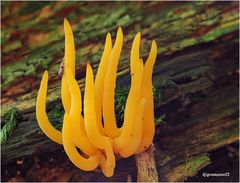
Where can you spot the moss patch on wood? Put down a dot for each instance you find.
(196, 163)
(186, 22)
(189, 168)
(8, 124)
(55, 116)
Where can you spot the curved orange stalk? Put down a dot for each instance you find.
(78, 160)
(69, 60)
(149, 125)
(99, 141)
(79, 135)
(135, 53)
(134, 97)
(41, 114)
(135, 137)
(99, 81)
(110, 126)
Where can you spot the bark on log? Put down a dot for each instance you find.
(146, 166)
(196, 72)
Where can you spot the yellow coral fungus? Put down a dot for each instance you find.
(69, 60)
(99, 141)
(79, 137)
(41, 115)
(99, 81)
(83, 163)
(110, 126)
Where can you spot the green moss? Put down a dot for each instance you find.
(121, 95)
(30, 23)
(96, 57)
(194, 73)
(187, 42)
(40, 58)
(196, 163)
(55, 115)
(219, 31)
(82, 36)
(8, 124)
(12, 46)
(124, 21)
(160, 120)
(156, 94)
(188, 13)
(104, 23)
(23, 68)
(226, 134)
(4, 36)
(31, 7)
(165, 160)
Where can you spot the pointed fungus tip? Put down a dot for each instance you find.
(44, 80)
(137, 38)
(45, 74)
(154, 43)
(138, 34)
(119, 34)
(89, 72)
(65, 20)
(108, 35)
(89, 67)
(119, 30)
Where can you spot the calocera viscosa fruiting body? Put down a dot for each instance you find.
(100, 143)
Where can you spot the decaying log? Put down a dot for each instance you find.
(195, 75)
